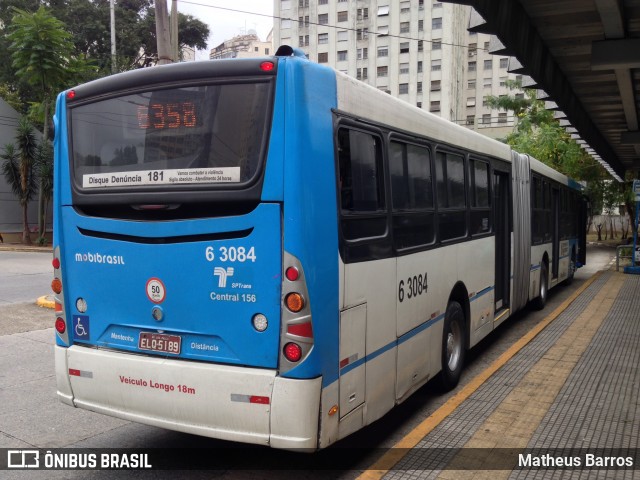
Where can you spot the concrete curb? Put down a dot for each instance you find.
(9, 247)
(46, 301)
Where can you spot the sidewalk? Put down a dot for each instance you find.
(19, 247)
(572, 391)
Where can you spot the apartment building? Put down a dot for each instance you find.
(243, 46)
(417, 50)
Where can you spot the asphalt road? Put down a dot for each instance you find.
(32, 417)
(24, 276)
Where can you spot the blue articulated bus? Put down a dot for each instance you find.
(269, 251)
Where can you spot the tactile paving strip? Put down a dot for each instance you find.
(599, 404)
(432, 453)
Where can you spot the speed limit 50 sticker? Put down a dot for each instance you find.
(156, 290)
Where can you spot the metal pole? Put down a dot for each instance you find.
(162, 32)
(174, 31)
(114, 67)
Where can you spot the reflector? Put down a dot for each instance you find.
(292, 274)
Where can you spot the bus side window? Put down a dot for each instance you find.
(412, 195)
(480, 197)
(450, 188)
(361, 183)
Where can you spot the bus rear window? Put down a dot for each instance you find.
(206, 135)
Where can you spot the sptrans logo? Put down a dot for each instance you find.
(99, 258)
(223, 274)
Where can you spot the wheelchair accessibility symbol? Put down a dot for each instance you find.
(81, 327)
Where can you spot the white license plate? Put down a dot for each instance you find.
(158, 342)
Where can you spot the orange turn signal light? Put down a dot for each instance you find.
(56, 285)
(294, 302)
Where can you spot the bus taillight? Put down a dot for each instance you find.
(58, 298)
(61, 326)
(292, 352)
(296, 337)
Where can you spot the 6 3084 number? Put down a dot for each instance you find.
(412, 287)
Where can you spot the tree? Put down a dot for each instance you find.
(44, 169)
(18, 169)
(87, 21)
(540, 135)
(42, 54)
(136, 47)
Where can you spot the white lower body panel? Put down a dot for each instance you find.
(227, 402)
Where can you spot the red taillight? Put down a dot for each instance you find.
(56, 285)
(267, 66)
(61, 327)
(71, 94)
(292, 274)
(292, 352)
(301, 329)
(56, 263)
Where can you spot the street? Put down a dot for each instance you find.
(32, 417)
(24, 276)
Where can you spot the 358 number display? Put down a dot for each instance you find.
(412, 287)
(167, 115)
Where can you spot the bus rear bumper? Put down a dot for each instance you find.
(220, 401)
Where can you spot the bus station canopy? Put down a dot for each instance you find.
(584, 59)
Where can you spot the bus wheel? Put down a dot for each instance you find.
(452, 346)
(541, 300)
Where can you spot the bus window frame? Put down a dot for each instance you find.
(396, 137)
(249, 191)
(366, 247)
(441, 210)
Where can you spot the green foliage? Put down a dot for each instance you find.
(41, 48)
(538, 134)
(87, 25)
(19, 169)
(11, 96)
(44, 168)
(47, 46)
(42, 57)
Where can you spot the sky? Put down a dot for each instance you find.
(227, 19)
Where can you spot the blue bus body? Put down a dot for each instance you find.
(162, 283)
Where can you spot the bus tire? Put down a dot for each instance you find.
(453, 346)
(540, 301)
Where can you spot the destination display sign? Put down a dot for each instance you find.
(161, 177)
